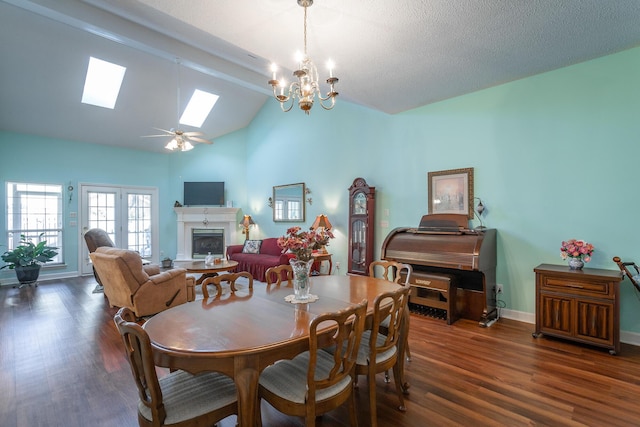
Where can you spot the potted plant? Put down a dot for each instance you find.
(26, 258)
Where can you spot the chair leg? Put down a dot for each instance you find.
(408, 352)
(372, 396)
(396, 379)
(353, 413)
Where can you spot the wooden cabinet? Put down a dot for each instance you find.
(580, 305)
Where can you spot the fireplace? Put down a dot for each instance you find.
(213, 228)
(207, 241)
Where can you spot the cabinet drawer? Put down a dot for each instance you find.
(582, 287)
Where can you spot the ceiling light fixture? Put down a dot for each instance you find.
(181, 140)
(307, 85)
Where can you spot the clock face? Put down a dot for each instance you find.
(360, 204)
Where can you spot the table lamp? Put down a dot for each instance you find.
(245, 224)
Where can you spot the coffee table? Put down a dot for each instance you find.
(207, 270)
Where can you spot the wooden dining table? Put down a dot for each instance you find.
(241, 333)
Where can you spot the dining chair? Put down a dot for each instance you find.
(379, 351)
(392, 271)
(317, 381)
(229, 278)
(276, 275)
(179, 398)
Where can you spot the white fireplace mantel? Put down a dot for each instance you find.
(202, 218)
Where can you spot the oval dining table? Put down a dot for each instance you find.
(241, 333)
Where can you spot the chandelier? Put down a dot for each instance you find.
(306, 86)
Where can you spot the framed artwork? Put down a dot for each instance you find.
(451, 192)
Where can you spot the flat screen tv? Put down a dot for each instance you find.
(204, 194)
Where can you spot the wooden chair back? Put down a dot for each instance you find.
(391, 271)
(345, 340)
(187, 400)
(389, 307)
(379, 351)
(229, 278)
(329, 376)
(138, 349)
(276, 275)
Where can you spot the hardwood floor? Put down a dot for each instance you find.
(62, 364)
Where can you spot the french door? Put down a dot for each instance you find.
(128, 214)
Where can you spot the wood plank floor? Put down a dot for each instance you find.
(62, 364)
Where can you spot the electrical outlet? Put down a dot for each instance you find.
(499, 288)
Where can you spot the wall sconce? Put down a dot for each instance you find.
(480, 208)
(322, 224)
(245, 224)
(308, 191)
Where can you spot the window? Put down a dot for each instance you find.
(34, 209)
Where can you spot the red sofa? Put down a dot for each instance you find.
(257, 264)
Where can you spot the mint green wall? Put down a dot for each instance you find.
(31, 158)
(554, 158)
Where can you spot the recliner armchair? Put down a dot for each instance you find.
(145, 291)
(95, 238)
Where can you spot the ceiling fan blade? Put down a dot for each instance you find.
(193, 133)
(200, 140)
(169, 132)
(154, 136)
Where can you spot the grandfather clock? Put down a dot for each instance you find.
(362, 205)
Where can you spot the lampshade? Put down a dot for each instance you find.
(247, 221)
(321, 221)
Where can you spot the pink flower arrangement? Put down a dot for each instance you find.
(576, 249)
(302, 243)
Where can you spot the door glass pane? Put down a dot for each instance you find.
(139, 223)
(101, 212)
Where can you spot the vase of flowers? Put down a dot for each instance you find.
(301, 244)
(301, 273)
(577, 251)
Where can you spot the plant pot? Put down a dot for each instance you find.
(28, 275)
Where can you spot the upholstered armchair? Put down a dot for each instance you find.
(145, 291)
(95, 238)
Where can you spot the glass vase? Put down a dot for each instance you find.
(301, 273)
(576, 263)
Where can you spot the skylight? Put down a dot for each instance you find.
(198, 108)
(102, 84)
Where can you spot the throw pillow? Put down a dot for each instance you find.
(251, 246)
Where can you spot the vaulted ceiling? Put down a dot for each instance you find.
(390, 56)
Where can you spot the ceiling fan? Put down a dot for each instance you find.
(180, 140)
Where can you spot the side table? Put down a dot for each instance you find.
(317, 261)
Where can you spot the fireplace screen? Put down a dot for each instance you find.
(207, 241)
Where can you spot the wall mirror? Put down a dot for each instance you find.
(288, 203)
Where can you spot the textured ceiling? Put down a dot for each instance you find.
(390, 55)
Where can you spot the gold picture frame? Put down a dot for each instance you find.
(451, 192)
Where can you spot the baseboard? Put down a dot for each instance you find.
(49, 276)
(626, 337)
